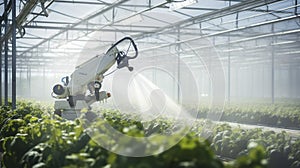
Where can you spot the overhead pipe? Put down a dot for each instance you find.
(7, 8)
(243, 6)
(238, 29)
(21, 18)
(116, 3)
(258, 15)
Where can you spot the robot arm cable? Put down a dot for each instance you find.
(110, 73)
(131, 42)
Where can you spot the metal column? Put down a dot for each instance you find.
(178, 65)
(296, 7)
(44, 83)
(19, 84)
(272, 69)
(0, 70)
(228, 71)
(237, 69)
(6, 55)
(272, 76)
(29, 81)
(14, 54)
(291, 82)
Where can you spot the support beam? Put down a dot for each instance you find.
(296, 7)
(14, 52)
(41, 13)
(84, 29)
(64, 24)
(5, 55)
(44, 83)
(272, 77)
(0, 70)
(291, 82)
(105, 9)
(260, 36)
(20, 19)
(243, 6)
(29, 81)
(272, 68)
(228, 71)
(178, 65)
(19, 83)
(149, 5)
(7, 8)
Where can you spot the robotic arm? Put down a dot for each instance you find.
(84, 84)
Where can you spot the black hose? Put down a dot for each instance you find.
(123, 39)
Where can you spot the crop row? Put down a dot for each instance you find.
(32, 137)
(274, 115)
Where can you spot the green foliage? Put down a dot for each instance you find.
(256, 158)
(32, 137)
(276, 115)
(280, 149)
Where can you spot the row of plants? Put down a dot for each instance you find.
(274, 115)
(231, 142)
(228, 142)
(31, 136)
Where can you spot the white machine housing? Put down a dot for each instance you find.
(84, 87)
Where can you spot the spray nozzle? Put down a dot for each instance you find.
(130, 68)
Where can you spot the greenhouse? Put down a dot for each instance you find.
(150, 83)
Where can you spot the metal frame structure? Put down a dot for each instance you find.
(249, 28)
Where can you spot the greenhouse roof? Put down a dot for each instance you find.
(54, 34)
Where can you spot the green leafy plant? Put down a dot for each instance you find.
(32, 137)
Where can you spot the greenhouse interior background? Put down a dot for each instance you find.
(215, 53)
(257, 42)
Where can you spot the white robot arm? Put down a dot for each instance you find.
(89, 76)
